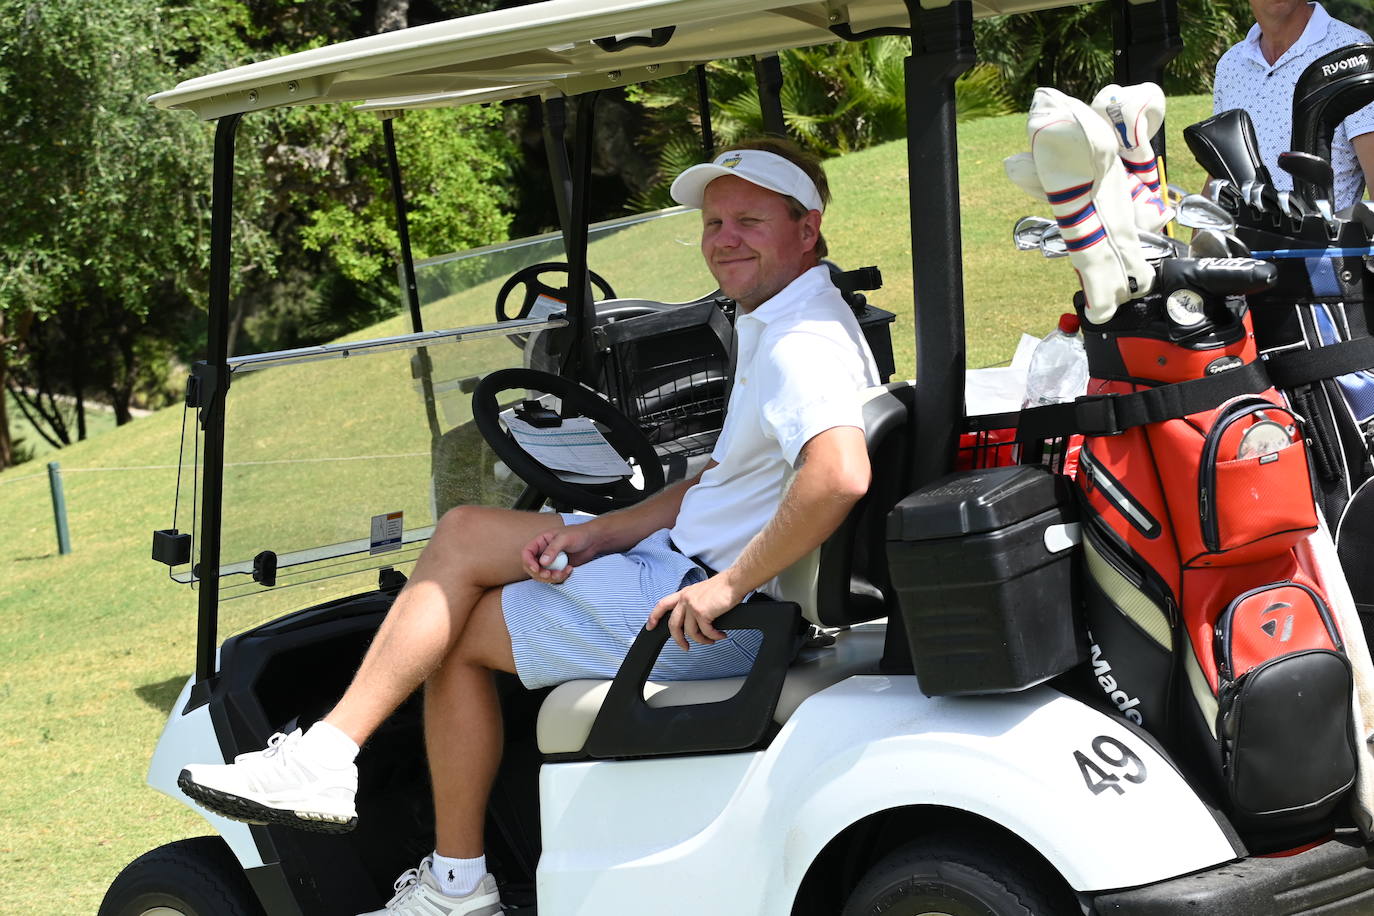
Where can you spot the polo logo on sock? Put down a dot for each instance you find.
(450, 875)
(1332, 69)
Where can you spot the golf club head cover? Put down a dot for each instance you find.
(1135, 113)
(1151, 213)
(1075, 154)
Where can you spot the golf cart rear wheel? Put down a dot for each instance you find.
(195, 877)
(933, 878)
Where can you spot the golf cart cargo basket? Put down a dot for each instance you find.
(669, 373)
(989, 441)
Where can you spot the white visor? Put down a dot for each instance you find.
(767, 170)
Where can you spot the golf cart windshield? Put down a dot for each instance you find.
(339, 459)
(454, 286)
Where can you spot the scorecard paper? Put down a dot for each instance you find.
(576, 446)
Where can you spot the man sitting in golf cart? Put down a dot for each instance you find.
(554, 600)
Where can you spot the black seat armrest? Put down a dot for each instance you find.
(627, 726)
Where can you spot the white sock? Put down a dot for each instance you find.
(329, 745)
(458, 877)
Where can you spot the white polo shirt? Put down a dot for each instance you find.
(801, 365)
(1246, 80)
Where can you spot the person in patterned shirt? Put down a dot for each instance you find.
(1259, 73)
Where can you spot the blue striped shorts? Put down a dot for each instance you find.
(584, 627)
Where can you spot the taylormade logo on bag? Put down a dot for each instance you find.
(1102, 670)
(1338, 66)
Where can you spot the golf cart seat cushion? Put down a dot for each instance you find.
(566, 715)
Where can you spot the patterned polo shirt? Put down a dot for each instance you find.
(1244, 79)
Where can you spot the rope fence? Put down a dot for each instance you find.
(227, 464)
(59, 504)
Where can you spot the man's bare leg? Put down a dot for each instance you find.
(463, 729)
(473, 549)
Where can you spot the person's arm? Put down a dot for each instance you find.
(832, 475)
(1364, 151)
(609, 533)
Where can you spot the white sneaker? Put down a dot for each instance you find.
(283, 784)
(418, 894)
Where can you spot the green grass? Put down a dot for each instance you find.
(95, 645)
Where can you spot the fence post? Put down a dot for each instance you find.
(59, 508)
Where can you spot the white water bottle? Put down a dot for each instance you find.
(1059, 366)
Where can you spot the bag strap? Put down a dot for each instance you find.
(1293, 368)
(1111, 414)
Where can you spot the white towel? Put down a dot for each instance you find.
(1317, 555)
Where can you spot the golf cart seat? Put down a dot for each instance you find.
(842, 584)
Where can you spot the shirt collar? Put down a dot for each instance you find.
(783, 300)
(1313, 32)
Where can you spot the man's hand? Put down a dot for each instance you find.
(690, 611)
(579, 542)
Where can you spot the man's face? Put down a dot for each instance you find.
(751, 243)
(1278, 10)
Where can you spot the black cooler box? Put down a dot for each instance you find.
(985, 567)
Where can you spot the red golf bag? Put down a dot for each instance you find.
(1195, 489)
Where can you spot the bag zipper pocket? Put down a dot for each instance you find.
(1222, 642)
(1208, 512)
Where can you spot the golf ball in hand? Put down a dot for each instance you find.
(558, 562)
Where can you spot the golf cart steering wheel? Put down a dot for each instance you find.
(620, 431)
(535, 286)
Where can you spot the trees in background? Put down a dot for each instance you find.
(104, 250)
(104, 208)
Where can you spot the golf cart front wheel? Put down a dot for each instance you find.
(195, 877)
(932, 878)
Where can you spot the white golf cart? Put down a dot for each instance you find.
(955, 770)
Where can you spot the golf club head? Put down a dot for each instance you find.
(1230, 199)
(1027, 232)
(1175, 194)
(1235, 247)
(1309, 171)
(1269, 199)
(1209, 243)
(1052, 244)
(1155, 246)
(1254, 195)
(1197, 212)
(1291, 203)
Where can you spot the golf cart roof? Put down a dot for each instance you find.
(558, 46)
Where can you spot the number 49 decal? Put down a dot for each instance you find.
(1116, 756)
